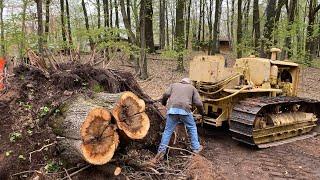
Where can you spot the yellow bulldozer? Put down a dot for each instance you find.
(257, 98)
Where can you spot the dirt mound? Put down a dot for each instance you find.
(33, 96)
(199, 167)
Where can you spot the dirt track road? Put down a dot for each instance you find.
(233, 160)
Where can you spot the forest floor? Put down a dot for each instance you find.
(233, 160)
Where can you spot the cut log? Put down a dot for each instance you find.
(128, 111)
(87, 130)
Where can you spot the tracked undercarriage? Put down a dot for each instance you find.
(257, 97)
(266, 121)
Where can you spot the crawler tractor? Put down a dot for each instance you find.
(257, 98)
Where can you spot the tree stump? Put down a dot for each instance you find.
(128, 111)
(87, 131)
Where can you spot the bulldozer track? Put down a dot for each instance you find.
(245, 112)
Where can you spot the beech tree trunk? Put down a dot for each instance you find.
(87, 131)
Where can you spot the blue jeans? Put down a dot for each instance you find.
(172, 121)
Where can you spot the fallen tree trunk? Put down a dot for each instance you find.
(87, 131)
(128, 111)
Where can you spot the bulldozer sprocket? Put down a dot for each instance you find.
(245, 113)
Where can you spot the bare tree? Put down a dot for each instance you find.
(215, 41)
(162, 24)
(40, 27)
(63, 25)
(86, 19)
(239, 30)
(106, 13)
(188, 24)
(2, 48)
(268, 27)
(143, 58)
(291, 16)
(46, 25)
(69, 24)
(200, 23)
(149, 25)
(256, 25)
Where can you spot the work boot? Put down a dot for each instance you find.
(198, 150)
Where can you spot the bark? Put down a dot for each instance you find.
(231, 24)
(63, 25)
(143, 39)
(69, 24)
(98, 13)
(215, 40)
(46, 25)
(239, 30)
(266, 42)
(86, 19)
(128, 111)
(246, 17)
(117, 13)
(162, 24)
(200, 24)
(188, 24)
(149, 26)
(129, 11)
(256, 25)
(106, 13)
(210, 9)
(2, 45)
(40, 27)
(111, 13)
(180, 39)
(203, 23)
(167, 25)
(87, 131)
(291, 17)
